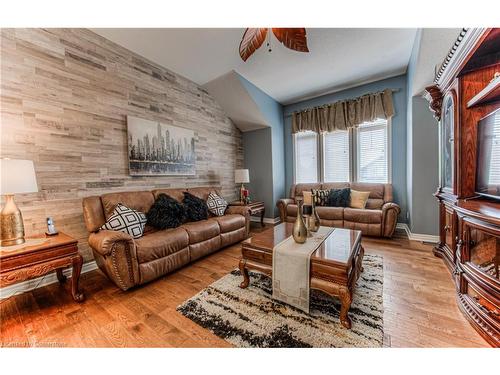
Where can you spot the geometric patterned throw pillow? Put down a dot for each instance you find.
(126, 220)
(216, 204)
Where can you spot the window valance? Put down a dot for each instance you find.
(344, 114)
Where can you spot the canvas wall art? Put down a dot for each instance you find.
(158, 149)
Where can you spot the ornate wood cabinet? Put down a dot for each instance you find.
(465, 91)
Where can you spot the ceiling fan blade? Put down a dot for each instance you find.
(293, 38)
(251, 41)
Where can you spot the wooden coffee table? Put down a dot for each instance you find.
(335, 265)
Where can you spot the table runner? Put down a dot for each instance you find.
(291, 268)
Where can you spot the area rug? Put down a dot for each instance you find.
(251, 318)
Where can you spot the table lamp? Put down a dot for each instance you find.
(241, 176)
(16, 177)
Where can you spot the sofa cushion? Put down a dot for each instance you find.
(339, 197)
(216, 204)
(228, 223)
(299, 188)
(202, 192)
(196, 208)
(166, 212)
(137, 200)
(334, 185)
(363, 215)
(320, 197)
(126, 220)
(161, 244)
(330, 213)
(359, 199)
(177, 194)
(201, 230)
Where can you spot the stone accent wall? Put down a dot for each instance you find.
(65, 95)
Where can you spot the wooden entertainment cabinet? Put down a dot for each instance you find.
(465, 90)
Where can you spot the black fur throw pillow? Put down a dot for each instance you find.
(339, 197)
(196, 208)
(166, 212)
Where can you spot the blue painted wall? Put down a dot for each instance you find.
(398, 131)
(264, 151)
(422, 159)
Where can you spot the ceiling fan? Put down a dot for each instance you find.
(293, 38)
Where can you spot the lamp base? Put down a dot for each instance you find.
(11, 223)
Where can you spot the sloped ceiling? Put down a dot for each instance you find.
(237, 102)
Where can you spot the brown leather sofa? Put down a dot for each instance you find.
(379, 218)
(129, 262)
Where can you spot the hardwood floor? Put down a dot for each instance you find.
(419, 306)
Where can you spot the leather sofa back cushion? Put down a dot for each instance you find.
(137, 200)
(177, 194)
(203, 192)
(299, 188)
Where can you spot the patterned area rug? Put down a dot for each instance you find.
(250, 318)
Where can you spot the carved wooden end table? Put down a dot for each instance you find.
(39, 256)
(335, 265)
(256, 208)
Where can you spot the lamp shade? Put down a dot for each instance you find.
(17, 176)
(241, 176)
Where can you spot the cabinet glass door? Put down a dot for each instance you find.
(484, 250)
(447, 144)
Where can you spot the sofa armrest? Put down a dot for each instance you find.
(390, 212)
(116, 255)
(282, 204)
(242, 210)
(104, 240)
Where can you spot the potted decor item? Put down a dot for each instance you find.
(299, 232)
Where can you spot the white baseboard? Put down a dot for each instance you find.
(51, 278)
(267, 220)
(417, 236)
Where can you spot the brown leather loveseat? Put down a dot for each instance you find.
(378, 218)
(129, 262)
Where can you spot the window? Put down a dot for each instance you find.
(362, 154)
(373, 150)
(306, 157)
(336, 156)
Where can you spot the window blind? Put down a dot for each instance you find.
(306, 157)
(372, 151)
(336, 156)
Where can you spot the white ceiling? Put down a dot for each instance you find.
(338, 58)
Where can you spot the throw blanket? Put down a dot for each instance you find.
(291, 268)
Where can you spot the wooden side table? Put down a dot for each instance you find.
(256, 208)
(39, 256)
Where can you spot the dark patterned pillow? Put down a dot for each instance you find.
(196, 208)
(166, 212)
(216, 204)
(339, 197)
(320, 196)
(126, 220)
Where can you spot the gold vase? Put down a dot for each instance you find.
(299, 232)
(314, 220)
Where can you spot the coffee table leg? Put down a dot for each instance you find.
(78, 296)
(345, 299)
(244, 273)
(262, 217)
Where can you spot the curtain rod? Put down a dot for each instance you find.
(329, 104)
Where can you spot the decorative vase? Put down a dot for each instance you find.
(299, 232)
(315, 223)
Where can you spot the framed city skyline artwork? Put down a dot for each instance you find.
(157, 149)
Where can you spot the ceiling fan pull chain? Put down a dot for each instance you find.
(269, 49)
